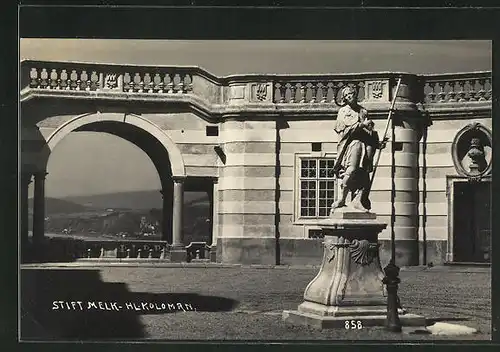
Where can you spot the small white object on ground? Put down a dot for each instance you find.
(450, 329)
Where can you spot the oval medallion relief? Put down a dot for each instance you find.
(472, 149)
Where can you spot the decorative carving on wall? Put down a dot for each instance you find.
(111, 81)
(377, 90)
(472, 151)
(363, 252)
(261, 91)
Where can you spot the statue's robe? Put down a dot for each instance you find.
(351, 149)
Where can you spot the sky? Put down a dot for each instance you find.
(109, 173)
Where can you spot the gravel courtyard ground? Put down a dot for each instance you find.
(232, 303)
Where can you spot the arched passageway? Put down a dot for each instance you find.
(162, 151)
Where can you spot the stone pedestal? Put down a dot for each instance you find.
(178, 254)
(348, 286)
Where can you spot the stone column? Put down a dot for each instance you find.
(407, 122)
(39, 208)
(166, 195)
(214, 199)
(406, 198)
(178, 252)
(25, 181)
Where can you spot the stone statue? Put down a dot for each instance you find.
(356, 148)
(475, 160)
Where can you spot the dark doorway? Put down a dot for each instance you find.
(472, 222)
(198, 210)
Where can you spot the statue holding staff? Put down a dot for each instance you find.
(356, 147)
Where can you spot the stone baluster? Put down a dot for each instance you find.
(179, 85)
(84, 80)
(314, 92)
(293, 92)
(324, 91)
(89, 253)
(157, 83)
(431, 96)
(139, 253)
(303, 92)
(169, 83)
(94, 81)
(461, 92)
(138, 85)
(452, 93)
(53, 79)
(472, 89)
(73, 84)
(63, 81)
(127, 86)
(34, 82)
(482, 92)
(188, 83)
(148, 87)
(281, 89)
(442, 93)
(43, 78)
(101, 255)
(128, 253)
(150, 256)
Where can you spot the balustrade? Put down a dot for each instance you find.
(300, 92)
(457, 88)
(95, 78)
(123, 250)
(297, 89)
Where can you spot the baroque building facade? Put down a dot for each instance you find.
(263, 146)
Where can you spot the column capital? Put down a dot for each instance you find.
(178, 179)
(26, 178)
(40, 175)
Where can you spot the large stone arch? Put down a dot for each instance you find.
(174, 154)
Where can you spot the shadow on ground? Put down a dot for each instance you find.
(77, 304)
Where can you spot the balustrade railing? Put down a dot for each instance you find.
(286, 89)
(122, 249)
(453, 88)
(65, 248)
(315, 91)
(122, 79)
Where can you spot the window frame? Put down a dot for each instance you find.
(308, 220)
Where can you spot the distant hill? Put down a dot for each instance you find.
(60, 206)
(141, 200)
(131, 200)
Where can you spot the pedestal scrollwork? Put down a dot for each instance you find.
(363, 252)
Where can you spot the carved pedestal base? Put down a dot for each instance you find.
(348, 286)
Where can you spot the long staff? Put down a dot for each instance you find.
(385, 132)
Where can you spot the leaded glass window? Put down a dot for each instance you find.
(317, 186)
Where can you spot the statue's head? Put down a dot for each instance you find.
(348, 95)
